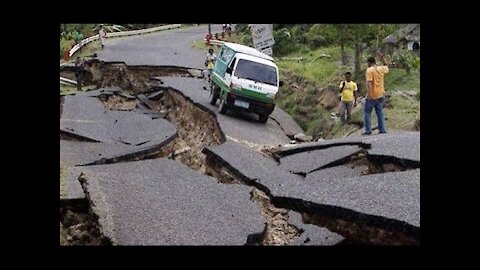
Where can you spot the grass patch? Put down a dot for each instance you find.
(321, 66)
(201, 44)
(63, 176)
(67, 89)
(403, 113)
(71, 89)
(398, 80)
(63, 236)
(341, 130)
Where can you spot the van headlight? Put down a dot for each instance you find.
(271, 95)
(235, 86)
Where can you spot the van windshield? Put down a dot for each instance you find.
(256, 72)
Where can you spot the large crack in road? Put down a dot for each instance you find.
(198, 128)
(79, 221)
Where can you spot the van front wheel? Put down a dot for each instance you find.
(263, 118)
(223, 107)
(214, 94)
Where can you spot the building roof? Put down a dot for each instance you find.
(248, 50)
(404, 33)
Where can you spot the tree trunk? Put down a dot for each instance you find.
(342, 45)
(358, 52)
(344, 58)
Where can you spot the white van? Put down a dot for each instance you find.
(245, 79)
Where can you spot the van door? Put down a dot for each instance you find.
(229, 71)
(223, 60)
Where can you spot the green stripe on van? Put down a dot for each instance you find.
(243, 92)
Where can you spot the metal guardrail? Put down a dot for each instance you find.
(120, 34)
(215, 42)
(67, 81)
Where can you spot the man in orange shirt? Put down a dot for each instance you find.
(375, 90)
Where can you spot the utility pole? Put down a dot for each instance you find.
(209, 35)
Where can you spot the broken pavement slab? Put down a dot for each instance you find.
(389, 199)
(286, 122)
(156, 95)
(303, 138)
(73, 188)
(125, 95)
(76, 153)
(145, 101)
(402, 145)
(109, 90)
(162, 202)
(151, 113)
(252, 167)
(341, 171)
(312, 235)
(87, 153)
(307, 162)
(82, 107)
(134, 128)
(291, 149)
(99, 124)
(98, 93)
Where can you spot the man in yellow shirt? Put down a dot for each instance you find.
(210, 62)
(348, 90)
(375, 90)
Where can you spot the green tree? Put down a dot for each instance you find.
(406, 59)
(343, 36)
(362, 36)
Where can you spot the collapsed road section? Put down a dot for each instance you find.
(351, 190)
(78, 222)
(364, 207)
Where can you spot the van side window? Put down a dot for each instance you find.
(227, 55)
(230, 67)
(221, 53)
(232, 63)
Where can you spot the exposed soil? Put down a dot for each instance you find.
(114, 102)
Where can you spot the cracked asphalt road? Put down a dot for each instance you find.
(239, 125)
(394, 195)
(174, 48)
(163, 202)
(117, 132)
(164, 48)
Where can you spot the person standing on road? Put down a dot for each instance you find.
(79, 72)
(348, 92)
(375, 89)
(101, 35)
(210, 62)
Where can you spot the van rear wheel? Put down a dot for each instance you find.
(263, 118)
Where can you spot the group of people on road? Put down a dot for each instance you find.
(227, 28)
(374, 77)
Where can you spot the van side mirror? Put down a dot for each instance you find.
(229, 70)
(280, 84)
